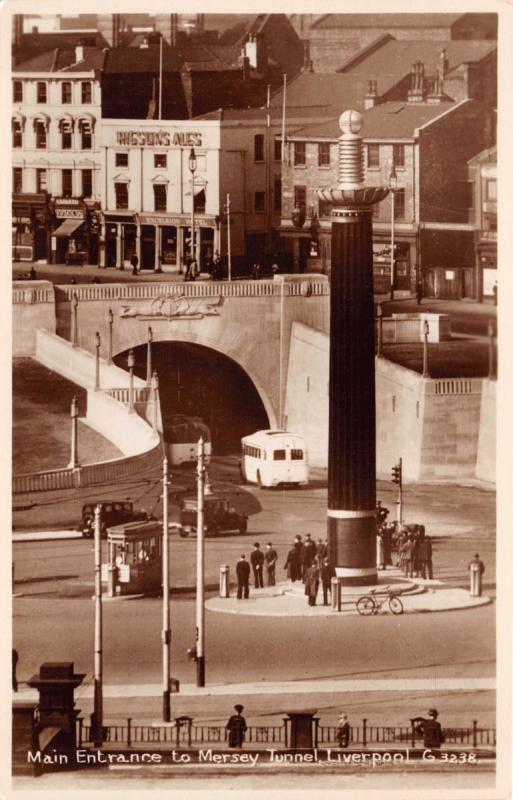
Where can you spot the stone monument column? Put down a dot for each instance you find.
(352, 406)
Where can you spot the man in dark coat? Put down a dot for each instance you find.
(430, 729)
(14, 666)
(343, 731)
(408, 556)
(271, 557)
(257, 562)
(327, 573)
(425, 557)
(242, 569)
(309, 553)
(381, 513)
(134, 261)
(322, 550)
(293, 563)
(312, 577)
(236, 727)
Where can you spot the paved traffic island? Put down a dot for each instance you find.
(417, 595)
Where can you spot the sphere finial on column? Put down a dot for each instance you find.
(351, 172)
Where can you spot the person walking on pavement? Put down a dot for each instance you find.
(425, 558)
(271, 557)
(430, 729)
(14, 666)
(419, 292)
(293, 563)
(343, 731)
(381, 513)
(322, 550)
(134, 261)
(327, 573)
(242, 570)
(309, 553)
(407, 556)
(236, 727)
(312, 577)
(257, 562)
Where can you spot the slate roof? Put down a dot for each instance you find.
(133, 60)
(63, 60)
(397, 120)
(386, 21)
(311, 89)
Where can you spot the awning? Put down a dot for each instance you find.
(68, 227)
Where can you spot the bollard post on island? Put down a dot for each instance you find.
(224, 580)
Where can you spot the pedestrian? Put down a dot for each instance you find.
(15, 658)
(271, 557)
(236, 727)
(309, 553)
(477, 560)
(321, 550)
(494, 290)
(275, 268)
(257, 270)
(380, 551)
(187, 273)
(381, 513)
(419, 292)
(293, 563)
(343, 731)
(257, 562)
(242, 569)
(425, 557)
(195, 270)
(430, 729)
(386, 534)
(407, 557)
(216, 267)
(327, 573)
(32, 273)
(312, 578)
(134, 261)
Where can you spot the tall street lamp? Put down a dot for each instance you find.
(73, 463)
(98, 342)
(425, 368)
(166, 615)
(74, 334)
(131, 365)
(393, 189)
(192, 167)
(379, 314)
(200, 571)
(148, 356)
(110, 317)
(98, 633)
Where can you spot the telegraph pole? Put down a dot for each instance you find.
(166, 615)
(200, 571)
(98, 632)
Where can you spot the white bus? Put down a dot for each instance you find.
(273, 457)
(181, 435)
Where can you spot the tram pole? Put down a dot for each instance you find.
(166, 619)
(98, 633)
(200, 571)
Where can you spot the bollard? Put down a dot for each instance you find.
(476, 580)
(224, 581)
(336, 594)
(380, 552)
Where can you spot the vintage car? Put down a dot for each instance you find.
(112, 512)
(219, 516)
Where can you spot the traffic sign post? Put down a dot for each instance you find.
(397, 478)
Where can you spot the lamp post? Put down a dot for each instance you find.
(73, 462)
(98, 634)
(200, 571)
(74, 334)
(98, 342)
(166, 616)
(192, 168)
(110, 317)
(393, 187)
(155, 390)
(379, 313)
(425, 369)
(131, 365)
(148, 356)
(491, 350)
(228, 237)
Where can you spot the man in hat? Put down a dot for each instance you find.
(257, 562)
(343, 731)
(242, 569)
(271, 557)
(236, 727)
(430, 729)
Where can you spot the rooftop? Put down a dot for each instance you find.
(386, 20)
(63, 59)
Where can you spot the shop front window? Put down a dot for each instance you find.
(168, 245)
(324, 209)
(121, 190)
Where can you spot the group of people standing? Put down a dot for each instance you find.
(309, 562)
(258, 561)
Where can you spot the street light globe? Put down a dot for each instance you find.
(350, 121)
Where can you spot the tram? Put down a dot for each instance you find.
(182, 433)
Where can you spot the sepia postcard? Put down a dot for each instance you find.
(256, 360)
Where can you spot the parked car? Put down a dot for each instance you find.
(112, 512)
(219, 516)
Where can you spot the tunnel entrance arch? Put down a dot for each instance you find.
(199, 381)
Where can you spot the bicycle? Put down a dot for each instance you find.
(370, 603)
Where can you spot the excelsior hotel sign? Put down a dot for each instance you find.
(159, 138)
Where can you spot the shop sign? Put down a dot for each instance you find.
(24, 220)
(70, 213)
(159, 138)
(177, 221)
(67, 201)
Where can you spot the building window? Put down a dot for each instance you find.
(66, 134)
(259, 201)
(17, 134)
(41, 92)
(160, 196)
(86, 135)
(491, 190)
(121, 190)
(277, 192)
(400, 208)
(67, 183)
(121, 159)
(159, 160)
(17, 92)
(398, 155)
(200, 201)
(40, 180)
(490, 223)
(299, 154)
(87, 183)
(66, 92)
(300, 197)
(40, 135)
(324, 154)
(17, 180)
(324, 208)
(87, 93)
(259, 147)
(372, 155)
(277, 149)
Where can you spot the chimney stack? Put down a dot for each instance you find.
(79, 53)
(369, 101)
(416, 92)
